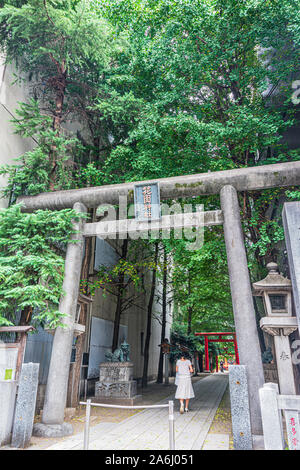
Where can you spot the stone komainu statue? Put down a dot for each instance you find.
(267, 356)
(119, 355)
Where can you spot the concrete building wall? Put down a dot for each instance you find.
(11, 145)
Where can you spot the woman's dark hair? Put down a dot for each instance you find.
(185, 354)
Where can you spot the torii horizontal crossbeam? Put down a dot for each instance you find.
(111, 228)
(219, 333)
(221, 340)
(242, 179)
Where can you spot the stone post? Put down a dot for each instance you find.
(8, 390)
(271, 417)
(242, 302)
(240, 415)
(291, 224)
(56, 391)
(25, 407)
(166, 357)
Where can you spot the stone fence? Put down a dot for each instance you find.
(272, 407)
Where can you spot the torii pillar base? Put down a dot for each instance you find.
(52, 430)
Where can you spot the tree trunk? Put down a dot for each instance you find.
(160, 373)
(25, 320)
(60, 82)
(190, 309)
(26, 315)
(200, 362)
(149, 321)
(119, 300)
(190, 314)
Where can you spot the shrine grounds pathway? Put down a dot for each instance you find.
(207, 425)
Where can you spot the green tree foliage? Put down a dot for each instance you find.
(31, 263)
(215, 76)
(197, 67)
(160, 88)
(65, 51)
(201, 285)
(180, 340)
(66, 54)
(31, 174)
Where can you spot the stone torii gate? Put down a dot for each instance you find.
(225, 183)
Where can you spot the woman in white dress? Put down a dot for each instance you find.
(183, 381)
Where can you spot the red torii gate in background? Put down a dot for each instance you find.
(218, 340)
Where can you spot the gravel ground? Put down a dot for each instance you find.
(222, 420)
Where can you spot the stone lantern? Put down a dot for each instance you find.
(276, 291)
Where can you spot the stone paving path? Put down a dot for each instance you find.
(149, 429)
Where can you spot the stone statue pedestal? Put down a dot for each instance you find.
(116, 383)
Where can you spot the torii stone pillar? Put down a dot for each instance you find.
(56, 391)
(242, 302)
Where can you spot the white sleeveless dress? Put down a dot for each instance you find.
(183, 380)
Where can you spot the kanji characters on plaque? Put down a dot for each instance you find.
(147, 196)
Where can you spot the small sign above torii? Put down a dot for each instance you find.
(147, 202)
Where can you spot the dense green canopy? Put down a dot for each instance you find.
(129, 90)
(31, 265)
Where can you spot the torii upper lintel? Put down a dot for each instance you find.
(242, 179)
